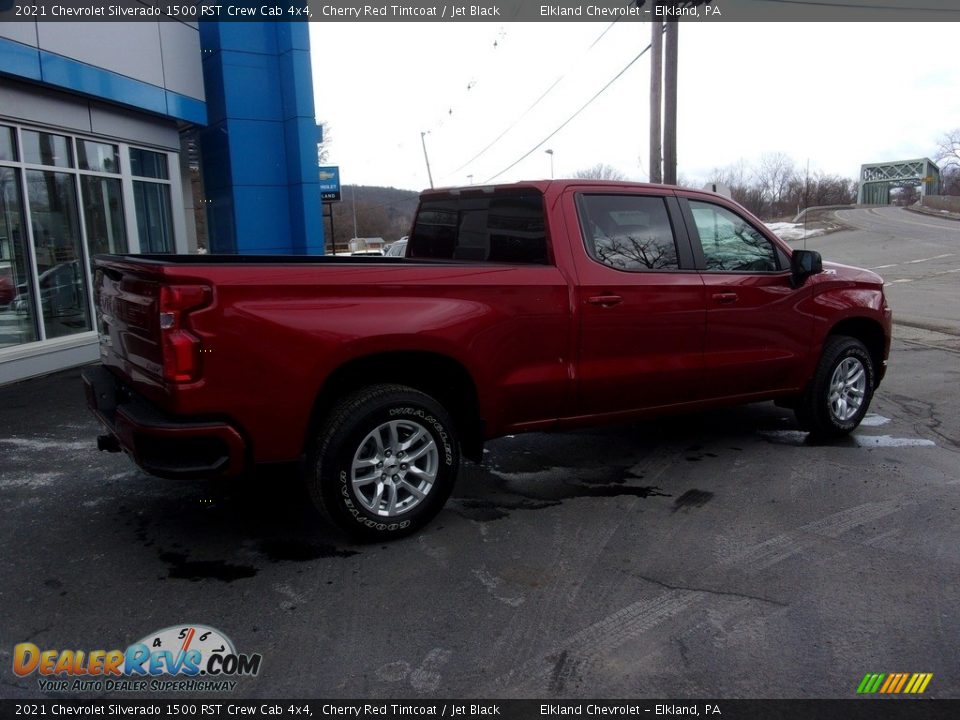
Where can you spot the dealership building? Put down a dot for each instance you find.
(143, 137)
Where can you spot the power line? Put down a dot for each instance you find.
(535, 103)
(569, 119)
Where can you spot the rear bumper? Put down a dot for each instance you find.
(159, 443)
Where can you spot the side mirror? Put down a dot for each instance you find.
(803, 264)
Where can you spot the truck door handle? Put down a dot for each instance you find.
(725, 298)
(605, 300)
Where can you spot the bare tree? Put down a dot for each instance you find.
(950, 180)
(600, 171)
(948, 151)
(773, 176)
(323, 147)
(736, 176)
(631, 251)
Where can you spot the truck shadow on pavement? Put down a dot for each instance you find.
(193, 527)
(230, 530)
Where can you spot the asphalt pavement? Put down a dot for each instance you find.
(710, 555)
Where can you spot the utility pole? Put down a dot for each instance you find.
(423, 141)
(656, 74)
(670, 104)
(663, 64)
(353, 198)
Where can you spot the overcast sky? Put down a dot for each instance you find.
(837, 95)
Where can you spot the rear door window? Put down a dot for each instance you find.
(629, 232)
(507, 227)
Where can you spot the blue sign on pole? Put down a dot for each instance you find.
(330, 184)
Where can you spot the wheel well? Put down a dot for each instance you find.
(867, 331)
(440, 377)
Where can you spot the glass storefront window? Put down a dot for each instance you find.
(103, 214)
(59, 255)
(144, 163)
(154, 219)
(40, 148)
(17, 306)
(99, 157)
(8, 147)
(63, 200)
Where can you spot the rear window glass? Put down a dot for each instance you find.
(501, 228)
(628, 232)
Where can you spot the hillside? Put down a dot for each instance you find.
(380, 212)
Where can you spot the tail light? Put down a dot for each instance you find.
(181, 348)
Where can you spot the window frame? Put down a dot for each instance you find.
(461, 198)
(123, 173)
(780, 255)
(681, 239)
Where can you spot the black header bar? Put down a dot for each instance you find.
(500, 11)
(222, 708)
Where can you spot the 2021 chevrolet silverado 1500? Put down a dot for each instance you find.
(534, 306)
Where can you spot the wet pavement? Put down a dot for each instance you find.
(719, 554)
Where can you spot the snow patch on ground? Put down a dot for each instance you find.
(28, 444)
(888, 441)
(536, 476)
(872, 420)
(794, 231)
(799, 438)
(34, 481)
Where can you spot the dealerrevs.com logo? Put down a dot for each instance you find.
(186, 658)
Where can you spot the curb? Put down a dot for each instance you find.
(933, 213)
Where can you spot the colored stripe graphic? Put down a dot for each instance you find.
(903, 680)
(894, 683)
(870, 683)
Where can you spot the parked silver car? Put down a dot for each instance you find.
(397, 249)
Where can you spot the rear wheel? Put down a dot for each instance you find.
(839, 395)
(384, 462)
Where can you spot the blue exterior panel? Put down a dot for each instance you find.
(186, 108)
(212, 69)
(260, 150)
(69, 74)
(297, 89)
(293, 36)
(304, 200)
(246, 37)
(19, 59)
(301, 156)
(262, 217)
(257, 152)
(220, 219)
(90, 80)
(251, 85)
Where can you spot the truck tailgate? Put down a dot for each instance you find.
(129, 323)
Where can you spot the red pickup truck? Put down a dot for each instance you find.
(533, 306)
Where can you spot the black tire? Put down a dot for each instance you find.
(348, 432)
(824, 414)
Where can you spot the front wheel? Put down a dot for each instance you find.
(839, 395)
(384, 462)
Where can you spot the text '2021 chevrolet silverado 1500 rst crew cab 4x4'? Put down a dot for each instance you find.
(534, 306)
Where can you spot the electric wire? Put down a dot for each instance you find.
(569, 119)
(532, 106)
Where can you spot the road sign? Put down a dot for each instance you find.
(330, 183)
